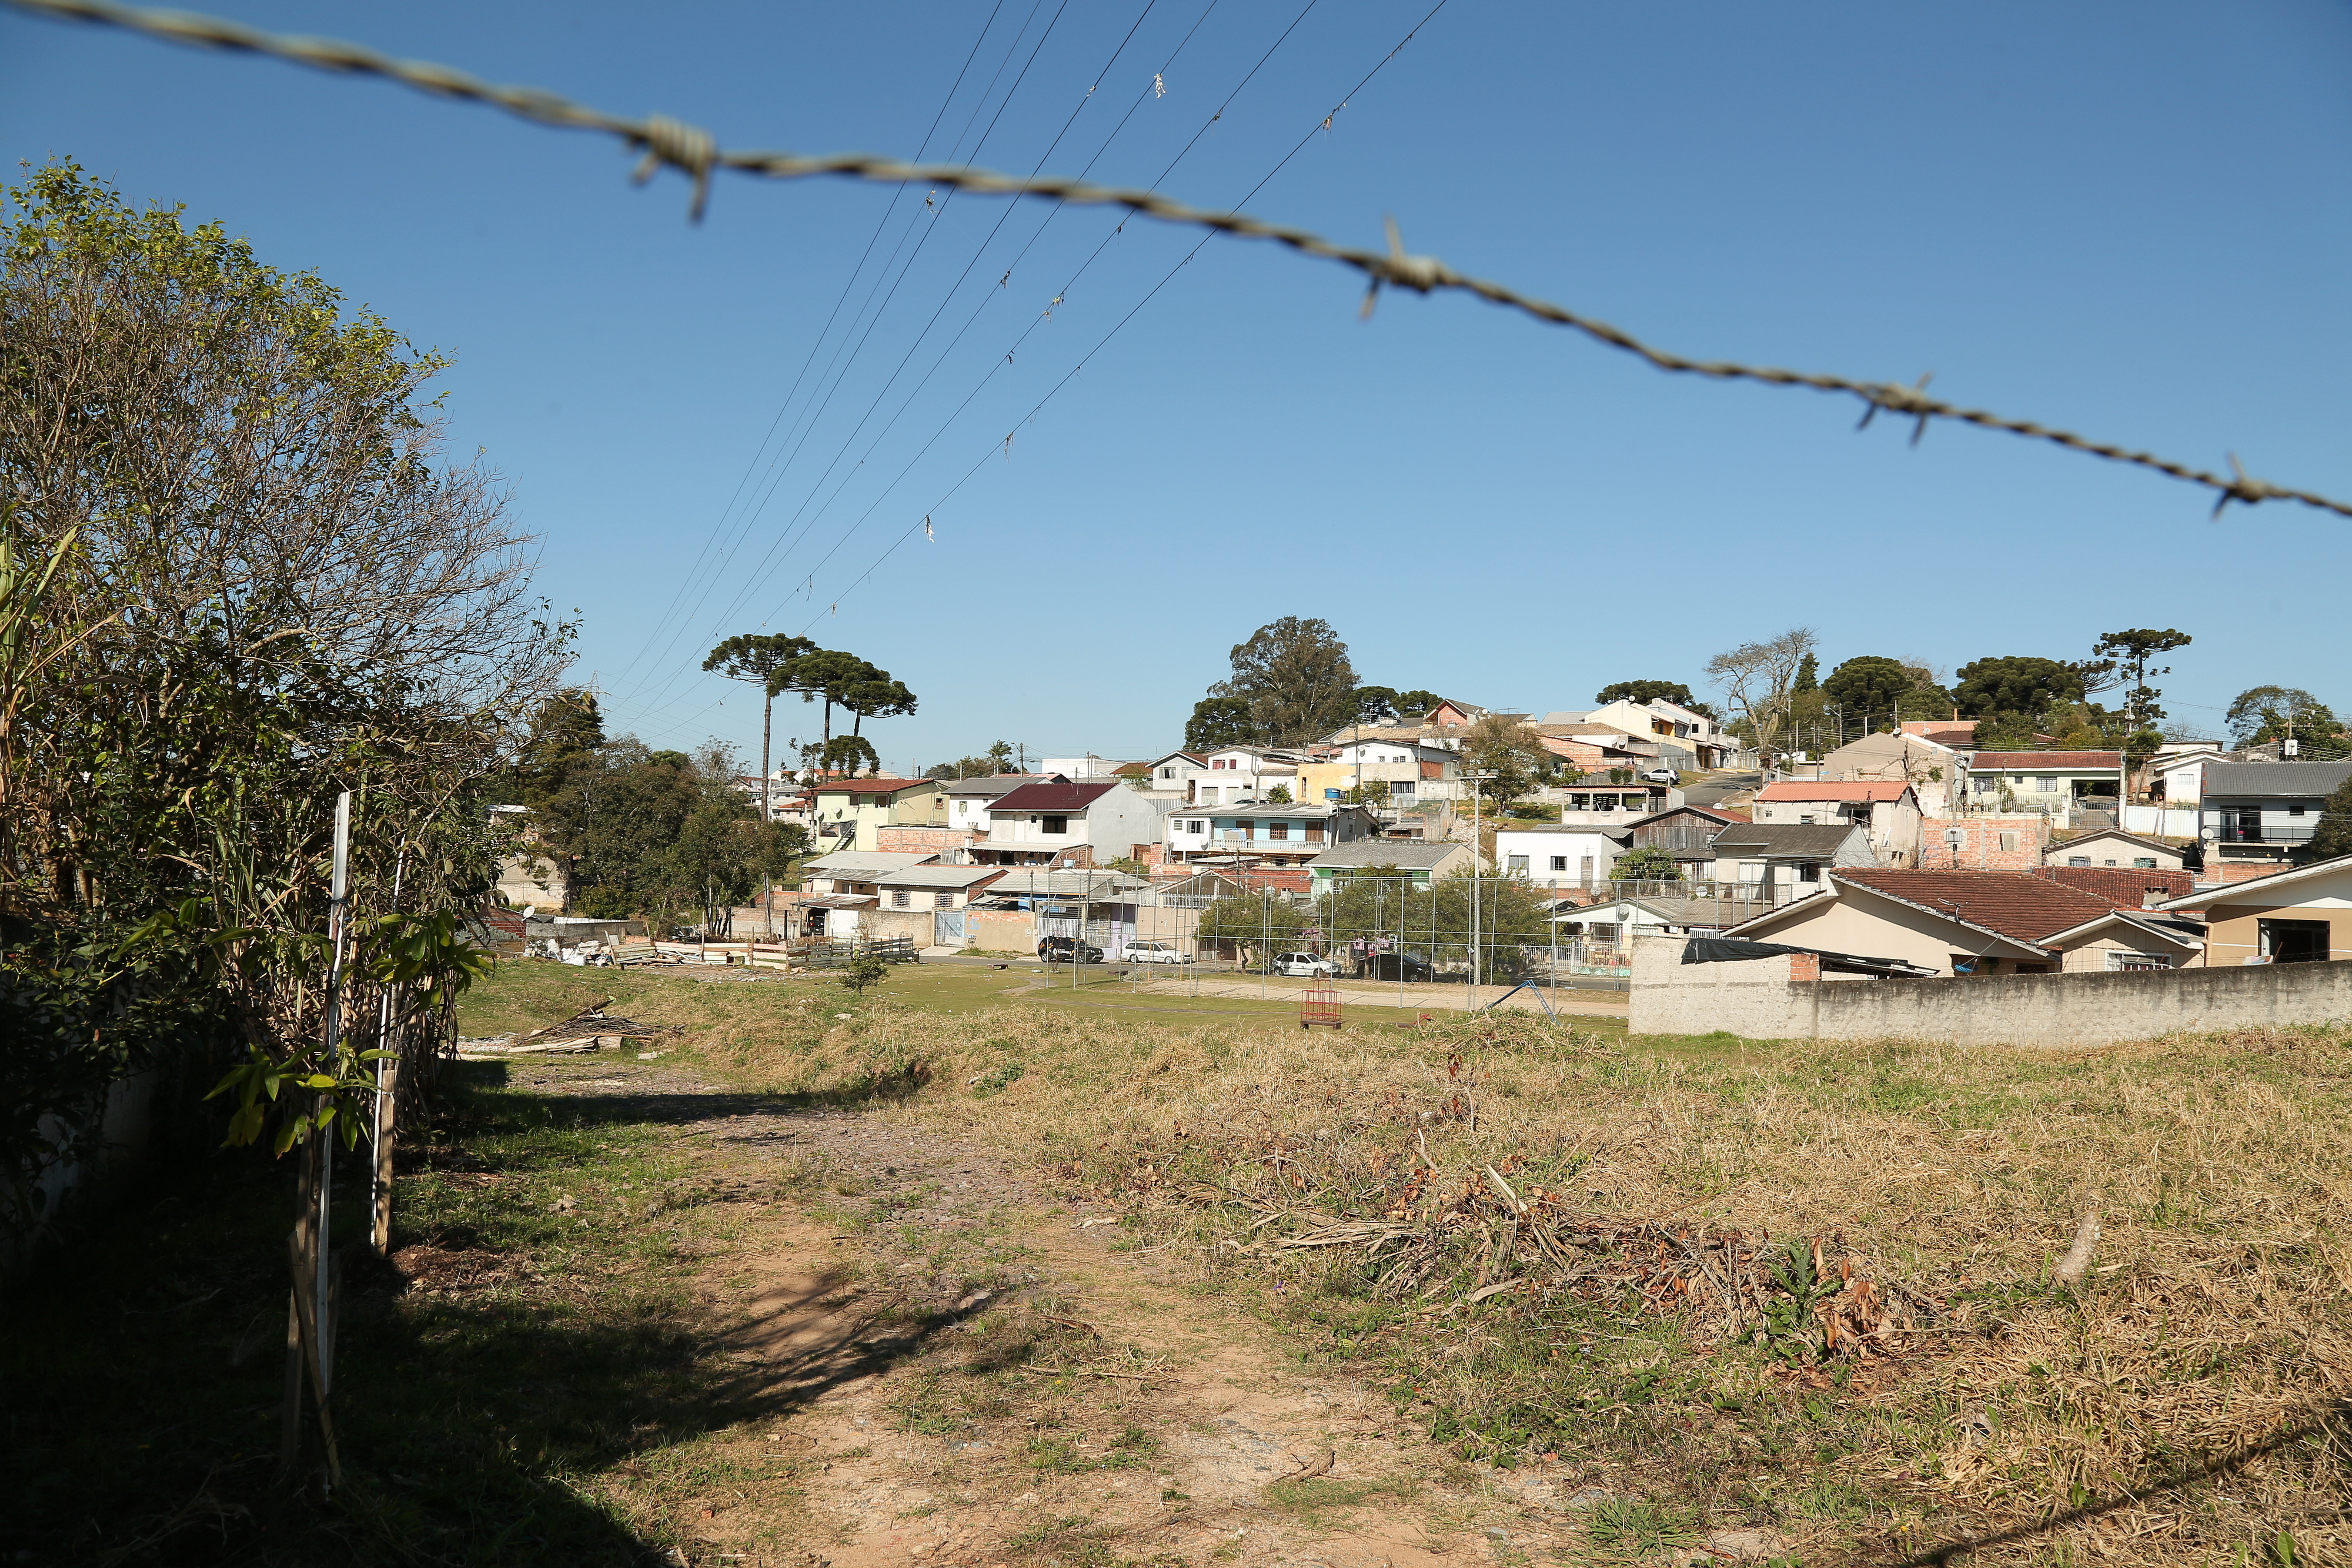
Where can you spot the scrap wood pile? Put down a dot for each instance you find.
(1451, 1243)
(591, 1028)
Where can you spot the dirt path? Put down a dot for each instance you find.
(1079, 1407)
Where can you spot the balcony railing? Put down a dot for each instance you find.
(2230, 833)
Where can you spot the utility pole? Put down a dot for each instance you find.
(1470, 1001)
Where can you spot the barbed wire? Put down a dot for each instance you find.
(694, 152)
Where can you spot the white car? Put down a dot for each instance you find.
(1662, 776)
(1153, 952)
(1306, 964)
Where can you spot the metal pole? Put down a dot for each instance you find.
(1470, 1000)
(382, 1034)
(1264, 937)
(338, 889)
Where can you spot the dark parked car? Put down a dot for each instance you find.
(1057, 950)
(1393, 966)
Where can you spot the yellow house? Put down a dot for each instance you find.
(2301, 916)
(851, 812)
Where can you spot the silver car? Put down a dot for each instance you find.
(1153, 952)
(1306, 964)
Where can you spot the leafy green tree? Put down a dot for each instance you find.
(1514, 753)
(1293, 676)
(2263, 713)
(1415, 706)
(1646, 863)
(2333, 837)
(965, 768)
(1644, 692)
(1267, 922)
(2018, 683)
(863, 971)
(843, 753)
(1220, 722)
(1278, 795)
(563, 726)
(1003, 757)
(1880, 691)
(882, 696)
(1809, 676)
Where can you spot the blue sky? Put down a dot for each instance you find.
(2130, 220)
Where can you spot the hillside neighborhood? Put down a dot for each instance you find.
(1912, 844)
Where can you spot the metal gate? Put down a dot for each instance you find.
(947, 928)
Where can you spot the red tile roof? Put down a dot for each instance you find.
(2055, 761)
(2122, 885)
(1834, 790)
(1053, 796)
(2019, 905)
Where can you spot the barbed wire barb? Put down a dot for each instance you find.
(694, 153)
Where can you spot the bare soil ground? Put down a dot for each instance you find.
(967, 1369)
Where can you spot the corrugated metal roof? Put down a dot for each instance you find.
(1403, 854)
(2282, 779)
(863, 862)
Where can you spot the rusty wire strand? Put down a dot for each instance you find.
(694, 152)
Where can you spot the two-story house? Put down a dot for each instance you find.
(2256, 816)
(2059, 784)
(1170, 776)
(1888, 810)
(1065, 823)
(1270, 835)
(1407, 768)
(850, 812)
(1242, 773)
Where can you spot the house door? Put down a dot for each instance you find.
(947, 928)
(2295, 941)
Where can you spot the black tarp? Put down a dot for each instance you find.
(1731, 949)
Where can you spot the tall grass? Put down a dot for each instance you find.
(2182, 1404)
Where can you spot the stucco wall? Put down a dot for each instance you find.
(1757, 1000)
(1001, 931)
(2233, 931)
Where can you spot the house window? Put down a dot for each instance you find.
(2070, 860)
(1403, 790)
(2295, 810)
(2143, 862)
(2008, 843)
(1515, 864)
(1809, 874)
(2118, 958)
(2046, 784)
(902, 899)
(1168, 773)
(1314, 832)
(1559, 862)
(1277, 830)
(1246, 827)
(943, 901)
(1805, 820)
(1053, 824)
(1200, 827)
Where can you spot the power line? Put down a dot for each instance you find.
(1263, 182)
(764, 572)
(810, 417)
(694, 151)
(718, 529)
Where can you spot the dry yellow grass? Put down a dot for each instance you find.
(2182, 1405)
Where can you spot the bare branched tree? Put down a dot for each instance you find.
(1756, 679)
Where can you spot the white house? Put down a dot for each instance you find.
(1888, 809)
(1276, 835)
(1172, 775)
(1065, 823)
(970, 799)
(1560, 857)
(1241, 773)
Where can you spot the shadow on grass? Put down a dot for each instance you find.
(144, 1370)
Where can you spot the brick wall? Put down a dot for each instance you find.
(911, 841)
(1982, 842)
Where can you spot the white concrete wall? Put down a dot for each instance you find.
(1757, 1000)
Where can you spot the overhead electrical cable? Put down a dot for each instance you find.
(848, 285)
